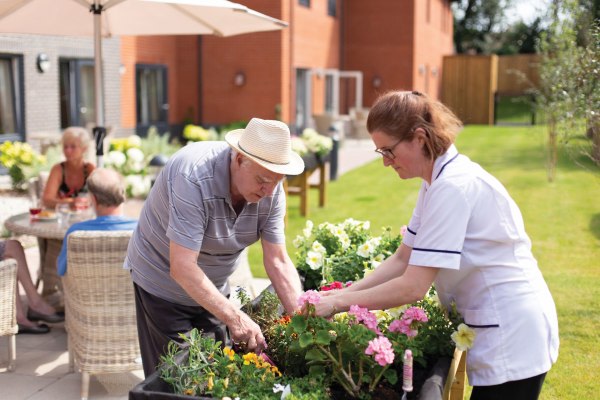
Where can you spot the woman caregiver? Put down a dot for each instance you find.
(467, 237)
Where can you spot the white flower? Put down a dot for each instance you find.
(344, 240)
(298, 241)
(134, 141)
(318, 247)
(307, 231)
(314, 259)
(366, 225)
(285, 390)
(138, 185)
(463, 337)
(366, 249)
(116, 158)
(135, 154)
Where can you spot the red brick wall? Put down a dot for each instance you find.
(179, 55)
(433, 40)
(389, 39)
(316, 44)
(378, 37)
(261, 57)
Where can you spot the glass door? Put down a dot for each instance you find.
(77, 93)
(152, 103)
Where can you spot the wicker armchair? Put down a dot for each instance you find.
(99, 305)
(8, 308)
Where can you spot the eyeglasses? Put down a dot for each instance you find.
(388, 152)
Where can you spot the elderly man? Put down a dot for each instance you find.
(107, 193)
(208, 204)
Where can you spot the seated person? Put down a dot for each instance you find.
(107, 194)
(68, 178)
(38, 309)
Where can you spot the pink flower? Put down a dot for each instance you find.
(403, 230)
(382, 348)
(365, 316)
(310, 297)
(407, 324)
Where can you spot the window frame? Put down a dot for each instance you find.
(17, 76)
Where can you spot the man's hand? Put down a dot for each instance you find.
(246, 333)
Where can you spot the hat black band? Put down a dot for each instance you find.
(260, 158)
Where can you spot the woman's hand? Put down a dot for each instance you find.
(328, 305)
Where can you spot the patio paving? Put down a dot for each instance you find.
(42, 371)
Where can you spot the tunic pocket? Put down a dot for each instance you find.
(481, 318)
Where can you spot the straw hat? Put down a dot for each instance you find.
(267, 143)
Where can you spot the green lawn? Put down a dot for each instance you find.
(562, 219)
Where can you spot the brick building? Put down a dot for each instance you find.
(335, 56)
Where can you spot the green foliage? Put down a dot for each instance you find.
(340, 252)
(156, 144)
(22, 162)
(210, 370)
(306, 344)
(569, 90)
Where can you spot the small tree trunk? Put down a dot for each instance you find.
(552, 149)
(594, 134)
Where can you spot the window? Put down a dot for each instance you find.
(77, 93)
(152, 104)
(332, 8)
(11, 98)
(305, 3)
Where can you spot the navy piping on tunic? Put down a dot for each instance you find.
(483, 326)
(437, 251)
(411, 231)
(444, 166)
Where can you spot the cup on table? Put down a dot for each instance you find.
(35, 208)
(63, 212)
(81, 203)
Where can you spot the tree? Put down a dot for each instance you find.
(475, 21)
(569, 89)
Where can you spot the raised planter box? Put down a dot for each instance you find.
(446, 382)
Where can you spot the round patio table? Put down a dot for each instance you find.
(50, 236)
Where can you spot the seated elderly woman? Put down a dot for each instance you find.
(68, 178)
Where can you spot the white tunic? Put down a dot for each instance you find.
(466, 224)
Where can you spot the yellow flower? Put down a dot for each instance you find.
(463, 337)
(228, 351)
(210, 384)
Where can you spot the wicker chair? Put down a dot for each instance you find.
(99, 305)
(8, 308)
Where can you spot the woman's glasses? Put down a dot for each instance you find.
(388, 152)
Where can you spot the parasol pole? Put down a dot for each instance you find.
(99, 130)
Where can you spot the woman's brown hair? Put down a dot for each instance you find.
(400, 113)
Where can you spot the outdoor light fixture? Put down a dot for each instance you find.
(43, 62)
(376, 82)
(239, 79)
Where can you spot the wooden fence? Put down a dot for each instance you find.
(471, 83)
(468, 87)
(517, 74)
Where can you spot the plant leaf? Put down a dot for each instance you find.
(315, 355)
(323, 337)
(306, 339)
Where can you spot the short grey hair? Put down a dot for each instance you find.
(77, 133)
(107, 186)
